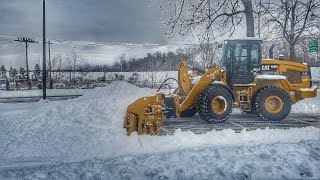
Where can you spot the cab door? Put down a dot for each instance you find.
(246, 62)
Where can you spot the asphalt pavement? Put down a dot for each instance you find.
(238, 122)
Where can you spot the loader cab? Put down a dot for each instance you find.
(242, 60)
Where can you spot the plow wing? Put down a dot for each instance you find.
(145, 115)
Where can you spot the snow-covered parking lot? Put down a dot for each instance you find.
(83, 139)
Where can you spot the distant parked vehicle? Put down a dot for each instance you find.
(2, 84)
(59, 86)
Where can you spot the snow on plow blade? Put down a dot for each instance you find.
(145, 115)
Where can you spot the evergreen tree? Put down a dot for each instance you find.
(3, 72)
(22, 73)
(13, 73)
(36, 71)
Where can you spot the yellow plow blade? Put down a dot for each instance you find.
(145, 115)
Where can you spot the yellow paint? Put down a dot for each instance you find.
(184, 78)
(273, 104)
(218, 105)
(207, 78)
(145, 115)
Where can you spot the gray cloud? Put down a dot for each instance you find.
(89, 20)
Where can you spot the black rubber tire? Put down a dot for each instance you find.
(170, 108)
(204, 104)
(189, 112)
(262, 95)
(247, 111)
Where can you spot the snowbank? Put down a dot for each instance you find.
(309, 105)
(91, 127)
(272, 161)
(315, 73)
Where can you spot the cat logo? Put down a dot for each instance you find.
(265, 67)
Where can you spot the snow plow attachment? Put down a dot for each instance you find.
(145, 115)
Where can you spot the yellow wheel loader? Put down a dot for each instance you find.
(265, 87)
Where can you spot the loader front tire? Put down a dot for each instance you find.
(214, 104)
(272, 104)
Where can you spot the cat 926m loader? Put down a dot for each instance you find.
(243, 80)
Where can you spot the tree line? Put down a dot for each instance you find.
(203, 55)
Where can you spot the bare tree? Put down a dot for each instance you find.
(303, 54)
(291, 19)
(82, 67)
(186, 16)
(69, 66)
(54, 66)
(122, 62)
(208, 54)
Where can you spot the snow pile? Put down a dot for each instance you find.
(90, 127)
(82, 128)
(315, 73)
(309, 105)
(273, 161)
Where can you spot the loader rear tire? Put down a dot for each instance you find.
(214, 104)
(272, 104)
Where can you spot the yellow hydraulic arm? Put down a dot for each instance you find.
(146, 115)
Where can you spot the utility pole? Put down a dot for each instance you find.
(74, 62)
(50, 66)
(49, 43)
(26, 40)
(44, 65)
(259, 19)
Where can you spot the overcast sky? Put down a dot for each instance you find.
(71, 21)
(71, 24)
(88, 20)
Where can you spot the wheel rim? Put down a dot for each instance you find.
(219, 105)
(273, 104)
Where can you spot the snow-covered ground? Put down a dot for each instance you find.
(84, 138)
(315, 73)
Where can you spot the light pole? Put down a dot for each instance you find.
(44, 67)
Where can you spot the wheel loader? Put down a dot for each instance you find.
(265, 87)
